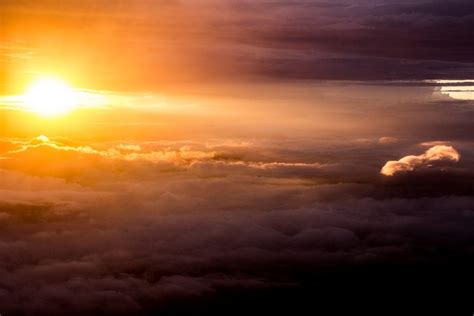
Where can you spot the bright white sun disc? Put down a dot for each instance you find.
(50, 96)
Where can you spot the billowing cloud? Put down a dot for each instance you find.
(435, 154)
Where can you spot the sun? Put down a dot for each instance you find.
(49, 96)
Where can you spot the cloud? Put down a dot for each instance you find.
(54, 158)
(136, 227)
(436, 153)
(144, 251)
(348, 40)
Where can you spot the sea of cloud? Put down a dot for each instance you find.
(131, 227)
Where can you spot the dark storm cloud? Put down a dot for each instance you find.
(410, 34)
(373, 40)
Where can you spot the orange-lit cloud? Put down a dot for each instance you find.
(411, 162)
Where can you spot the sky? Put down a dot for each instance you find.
(230, 157)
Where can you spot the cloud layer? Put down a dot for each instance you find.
(344, 40)
(133, 228)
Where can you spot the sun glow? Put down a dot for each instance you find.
(50, 97)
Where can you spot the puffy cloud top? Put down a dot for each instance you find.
(411, 162)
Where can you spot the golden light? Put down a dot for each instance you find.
(49, 97)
